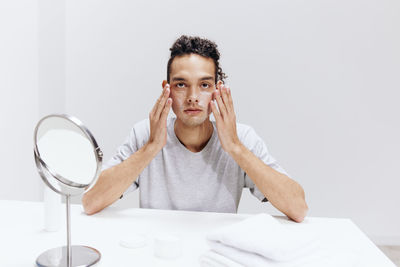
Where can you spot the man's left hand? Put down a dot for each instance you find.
(225, 118)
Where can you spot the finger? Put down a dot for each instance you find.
(161, 104)
(214, 94)
(217, 89)
(214, 110)
(221, 105)
(153, 110)
(224, 95)
(165, 112)
(219, 84)
(230, 100)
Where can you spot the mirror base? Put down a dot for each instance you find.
(57, 257)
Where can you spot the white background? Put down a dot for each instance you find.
(318, 80)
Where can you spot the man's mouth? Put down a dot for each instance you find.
(192, 111)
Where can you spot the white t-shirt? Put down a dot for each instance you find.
(178, 179)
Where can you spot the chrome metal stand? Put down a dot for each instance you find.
(69, 256)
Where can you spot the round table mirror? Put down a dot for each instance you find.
(68, 160)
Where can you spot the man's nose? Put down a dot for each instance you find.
(193, 95)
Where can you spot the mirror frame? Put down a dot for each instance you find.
(67, 187)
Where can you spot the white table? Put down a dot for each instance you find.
(23, 238)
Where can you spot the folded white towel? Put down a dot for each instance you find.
(213, 259)
(262, 241)
(224, 256)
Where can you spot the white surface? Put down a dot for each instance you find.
(167, 246)
(21, 229)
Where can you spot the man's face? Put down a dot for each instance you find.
(192, 83)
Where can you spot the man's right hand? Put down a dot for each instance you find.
(114, 181)
(158, 120)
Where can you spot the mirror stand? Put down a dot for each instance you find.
(62, 256)
(68, 160)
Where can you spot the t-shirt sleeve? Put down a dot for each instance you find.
(124, 151)
(256, 145)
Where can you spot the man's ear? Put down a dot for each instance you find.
(164, 82)
(219, 84)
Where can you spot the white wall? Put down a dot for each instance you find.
(32, 84)
(52, 56)
(18, 99)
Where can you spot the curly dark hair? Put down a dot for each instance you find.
(186, 45)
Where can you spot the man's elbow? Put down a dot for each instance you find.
(300, 214)
(89, 205)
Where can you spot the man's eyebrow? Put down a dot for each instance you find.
(178, 79)
(207, 78)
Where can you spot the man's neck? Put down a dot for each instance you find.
(194, 138)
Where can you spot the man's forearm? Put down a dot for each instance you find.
(282, 192)
(115, 180)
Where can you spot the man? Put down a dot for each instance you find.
(188, 162)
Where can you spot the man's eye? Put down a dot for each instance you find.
(180, 85)
(205, 85)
